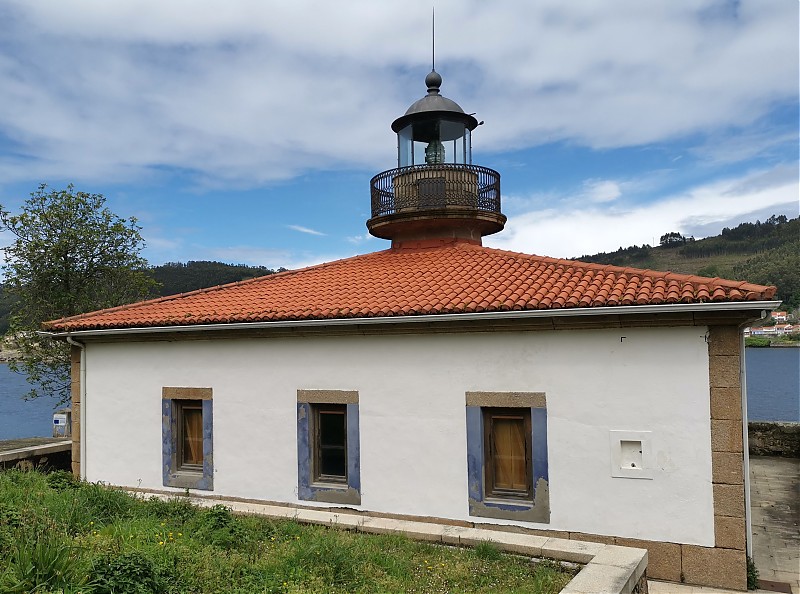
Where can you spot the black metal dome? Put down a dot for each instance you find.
(434, 105)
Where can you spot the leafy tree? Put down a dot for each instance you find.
(70, 255)
(672, 239)
(5, 310)
(711, 270)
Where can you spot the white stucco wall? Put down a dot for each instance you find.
(412, 418)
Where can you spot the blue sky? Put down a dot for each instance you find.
(247, 131)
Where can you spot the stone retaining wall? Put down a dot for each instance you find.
(774, 439)
(46, 457)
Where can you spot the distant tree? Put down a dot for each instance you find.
(5, 310)
(70, 255)
(710, 271)
(672, 239)
(777, 220)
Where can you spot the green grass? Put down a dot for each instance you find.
(57, 535)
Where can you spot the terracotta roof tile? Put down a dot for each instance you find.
(450, 278)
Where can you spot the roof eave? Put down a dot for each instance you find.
(423, 319)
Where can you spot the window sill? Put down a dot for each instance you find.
(509, 509)
(509, 502)
(329, 485)
(186, 479)
(330, 493)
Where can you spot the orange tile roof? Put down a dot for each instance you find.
(435, 277)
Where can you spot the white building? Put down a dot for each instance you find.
(440, 379)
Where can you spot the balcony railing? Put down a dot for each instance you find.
(433, 187)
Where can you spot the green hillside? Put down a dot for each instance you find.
(765, 253)
(176, 277)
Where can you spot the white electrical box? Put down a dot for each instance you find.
(62, 423)
(631, 454)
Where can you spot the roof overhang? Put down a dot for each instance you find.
(746, 309)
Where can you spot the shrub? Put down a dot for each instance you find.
(61, 480)
(47, 563)
(752, 574)
(487, 551)
(104, 504)
(9, 516)
(127, 573)
(178, 509)
(329, 556)
(217, 526)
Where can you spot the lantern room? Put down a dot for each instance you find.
(435, 191)
(434, 130)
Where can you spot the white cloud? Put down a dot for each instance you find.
(161, 244)
(246, 92)
(360, 239)
(601, 191)
(577, 228)
(256, 256)
(305, 230)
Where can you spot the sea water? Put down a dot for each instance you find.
(20, 418)
(773, 383)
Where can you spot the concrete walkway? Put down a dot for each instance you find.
(656, 587)
(27, 442)
(775, 504)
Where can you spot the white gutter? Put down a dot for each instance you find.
(748, 516)
(426, 319)
(82, 379)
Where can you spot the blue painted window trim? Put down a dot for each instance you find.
(307, 489)
(172, 476)
(475, 464)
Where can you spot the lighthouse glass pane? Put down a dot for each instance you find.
(453, 134)
(405, 146)
(451, 130)
(434, 141)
